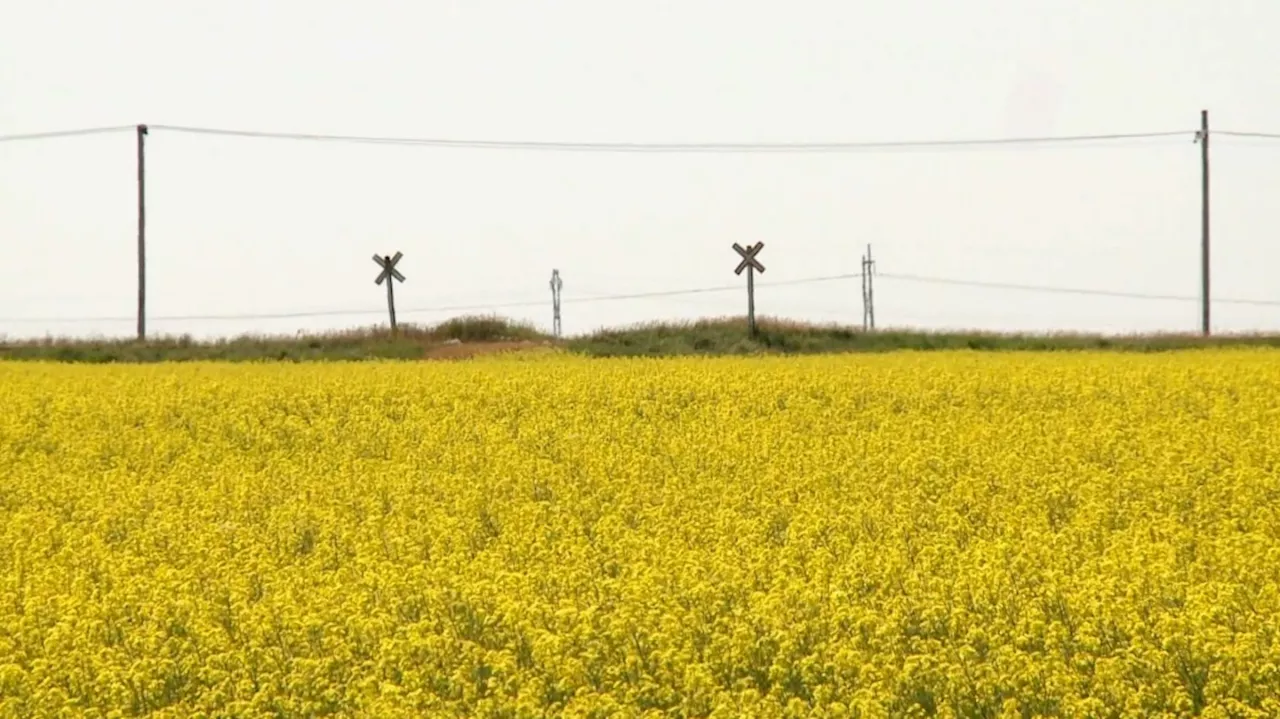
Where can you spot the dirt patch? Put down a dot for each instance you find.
(466, 350)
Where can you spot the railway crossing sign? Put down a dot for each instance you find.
(389, 274)
(751, 265)
(749, 258)
(388, 265)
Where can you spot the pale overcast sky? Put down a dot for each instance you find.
(247, 226)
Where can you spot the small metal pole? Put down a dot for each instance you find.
(751, 299)
(871, 296)
(864, 293)
(556, 284)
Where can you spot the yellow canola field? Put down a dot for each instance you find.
(949, 534)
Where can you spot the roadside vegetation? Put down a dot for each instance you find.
(468, 336)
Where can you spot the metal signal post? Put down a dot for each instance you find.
(556, 284)
(868, 292)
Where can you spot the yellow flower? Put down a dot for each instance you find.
(914, 534)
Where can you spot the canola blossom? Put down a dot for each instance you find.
(903, 535)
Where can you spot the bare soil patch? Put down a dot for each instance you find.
(467, 350)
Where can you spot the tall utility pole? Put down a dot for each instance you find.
(556, 284)
(868, 292)
(142, 232)
(1203, 138)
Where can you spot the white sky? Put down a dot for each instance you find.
(246, 226)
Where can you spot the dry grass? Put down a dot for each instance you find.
(409, 342)
(469, 336)
(728, 335)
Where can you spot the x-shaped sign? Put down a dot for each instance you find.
(388, 265)
(748, 257)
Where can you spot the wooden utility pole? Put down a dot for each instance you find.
(390, 274)
(751, 265)
(1203, 137)
(142, 232)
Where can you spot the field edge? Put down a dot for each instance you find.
(482, 335)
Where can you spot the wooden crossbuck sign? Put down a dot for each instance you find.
(749, 257)
(389, 274)
(751, 265)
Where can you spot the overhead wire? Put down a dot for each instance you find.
(660, 293)
(423, 310)
(77, 132)
(1068, 290)
(819, 147)
(784, 147)
(1233, 133)
(689, 147)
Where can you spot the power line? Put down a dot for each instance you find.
(1265, 135)
(629, 146)
(703, 290)
(796, 147)
(663, 293)
(1070, 290)
(273, 315)
(51, 134)
(421, 310)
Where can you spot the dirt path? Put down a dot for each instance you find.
(466, 350)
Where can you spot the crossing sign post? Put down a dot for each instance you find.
(751, 265)
(390, 275)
